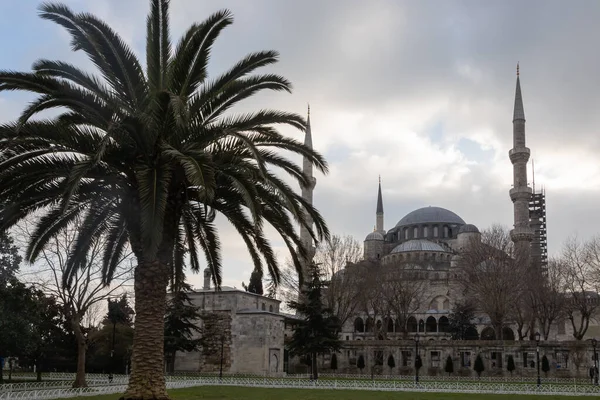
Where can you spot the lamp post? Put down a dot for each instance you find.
(416, 357)
(221, 368)
(595, 356)
(537, 341)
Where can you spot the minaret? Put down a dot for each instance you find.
(520, 194)
(307, 195)
(379, 211)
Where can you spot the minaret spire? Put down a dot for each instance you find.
(379, 210)
(307, 195)
(520, 194)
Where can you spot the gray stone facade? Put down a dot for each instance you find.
(247, 326)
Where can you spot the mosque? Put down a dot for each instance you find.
(247, 333)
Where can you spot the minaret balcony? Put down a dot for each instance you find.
(519, 154)
(520, 193)
(522, 234)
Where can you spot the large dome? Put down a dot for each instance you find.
(417, 245)
(430, 215)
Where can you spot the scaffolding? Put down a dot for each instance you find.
(537, 221)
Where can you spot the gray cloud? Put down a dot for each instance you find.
(419, 92)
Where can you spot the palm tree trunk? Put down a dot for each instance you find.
(147, 379)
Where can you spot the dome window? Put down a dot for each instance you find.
(436, 231)
(415, 232)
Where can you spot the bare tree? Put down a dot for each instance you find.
(80, 298)
(335, 258)
(493, 276)
(577, 267)
(548, 299)
(403, 289)
(371, 300)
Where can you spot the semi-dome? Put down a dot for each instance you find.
(430, 215)
(374, 236)
(468, 228)
(417, 245)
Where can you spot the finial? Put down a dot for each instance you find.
(374, 228)
(308, 109)
(380, 179)
(517, 68)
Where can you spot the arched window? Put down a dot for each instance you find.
(411, 324)
(444, 325)
(390, 325)
(446, 231)
(271, 308)
(425, 232)
(488, 334)
(415, 232)
(405, 233)
(435, 231)
(264, 307)
(359, 325)
(507, 333)
(431, 325)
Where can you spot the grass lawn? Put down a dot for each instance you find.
(247, 393)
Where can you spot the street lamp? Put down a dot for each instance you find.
(221, 368)
(595, 356)
(537, 341)
(416, 357)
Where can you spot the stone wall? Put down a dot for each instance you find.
(567, 359)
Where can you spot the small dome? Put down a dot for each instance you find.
(430, 215)
(374, 236)
(417, 245)
(468, 228)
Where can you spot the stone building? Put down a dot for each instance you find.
(242, 331)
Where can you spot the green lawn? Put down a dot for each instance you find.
(246, 393)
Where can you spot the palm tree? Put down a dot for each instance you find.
(148, 158)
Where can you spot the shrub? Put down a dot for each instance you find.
(449, 368)
(391, 363)
(333, 362)
(479, 367)
(510, 364)
(361, 363)
(545, 365)
(418, 362)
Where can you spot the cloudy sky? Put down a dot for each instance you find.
(420, 92)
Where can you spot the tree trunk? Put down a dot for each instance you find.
(10, 369)
(81, 349)
(147, 379)
(38, 369)
(314, 366)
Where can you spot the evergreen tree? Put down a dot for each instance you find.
(545, 365)
(255, 284)
(316, 333)
(449, 368)
(9, 259)
(461, 322)
(360, 364)
(119, 312)
(180, 326)
(510, 364)
(333, 362)
(479, 367)
(391, 363)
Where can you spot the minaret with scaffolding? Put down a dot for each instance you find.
(537, 222)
